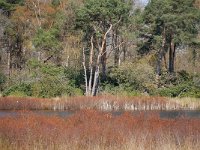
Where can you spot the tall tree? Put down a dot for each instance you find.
(171, 23)
(98, 19)
(11, 40)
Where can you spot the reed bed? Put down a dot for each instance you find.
(91, 129)
(187, 102)
(103, 103)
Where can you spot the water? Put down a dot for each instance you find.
(178, 114)
(193, 114)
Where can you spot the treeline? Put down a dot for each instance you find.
(52, 48)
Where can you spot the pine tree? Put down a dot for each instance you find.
(171, 23)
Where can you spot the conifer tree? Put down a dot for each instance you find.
(171, 23)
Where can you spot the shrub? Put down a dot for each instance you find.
(180, 84)
(22, 89)
(186, 89)
(192, 92)
(52, 81)
(121, 90)
(18, 94)
(75, 76)
(175, 79)
(133, 76)
(2, 81)
(44, 80)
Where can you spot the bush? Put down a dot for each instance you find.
(133, 76)
(44, 80)
(53, 81)
(50, 89)
(192, 92)
(2, 81)
(72, 91)
(121, 90)
(22, 89)
(175, 79)
(75, 76)
(187, 89)
(18, 94)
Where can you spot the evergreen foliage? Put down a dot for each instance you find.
(59, 47)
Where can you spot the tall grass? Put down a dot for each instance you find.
(105, 103)
(91, 129)
(187, 102)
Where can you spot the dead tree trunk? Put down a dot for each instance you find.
(100, 54)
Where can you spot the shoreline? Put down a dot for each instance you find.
(101, 103)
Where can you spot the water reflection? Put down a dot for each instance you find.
(178, 114)
(163, 114)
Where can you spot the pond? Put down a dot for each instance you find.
(193, 114)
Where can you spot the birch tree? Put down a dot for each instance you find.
(98, 19)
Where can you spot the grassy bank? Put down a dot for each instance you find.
(103, 103)
(90, 129)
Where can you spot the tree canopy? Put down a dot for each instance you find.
(104, 46)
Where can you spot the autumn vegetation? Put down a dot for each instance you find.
(90, 129)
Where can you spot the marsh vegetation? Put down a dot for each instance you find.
(87, 123)
(91, 129)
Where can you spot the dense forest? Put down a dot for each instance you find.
(51, 48)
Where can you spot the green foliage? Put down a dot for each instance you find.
(100, 14)
(50, 88)
(47, 39)
(8, 5)
(121, 90)
(183, 75)
(176, 16)
(181, 85)
(17, 94)
(46, 81)
(15, 1)
(22, 89)
(5, 6)
(55, 2)
(2, 81)
(56, 35)
(178, 19)
(75, 76)
(51, 80)
(134, 76)
(192, 92)
(186, 89)
(168, 80)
